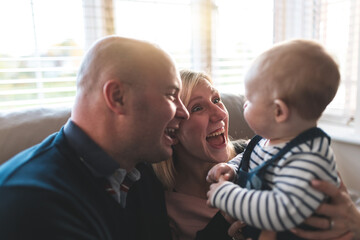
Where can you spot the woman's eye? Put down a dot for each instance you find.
(217, 100)
(196, 109)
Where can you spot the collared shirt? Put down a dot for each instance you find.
(99, 162)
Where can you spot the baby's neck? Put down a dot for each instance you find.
(289, 131)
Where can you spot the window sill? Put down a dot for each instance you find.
(340, 133)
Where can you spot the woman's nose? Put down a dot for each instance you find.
(218, 113)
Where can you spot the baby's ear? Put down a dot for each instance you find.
(282, 111)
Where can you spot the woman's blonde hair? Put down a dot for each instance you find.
(165, 170)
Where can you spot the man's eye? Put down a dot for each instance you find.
(196, 109)
(172, 97)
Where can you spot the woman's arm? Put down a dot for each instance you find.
(341, 211)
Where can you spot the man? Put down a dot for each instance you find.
(74, 184)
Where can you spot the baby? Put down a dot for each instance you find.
(287, 89)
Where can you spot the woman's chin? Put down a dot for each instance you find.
(219, 156)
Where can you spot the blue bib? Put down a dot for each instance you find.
(255, 178)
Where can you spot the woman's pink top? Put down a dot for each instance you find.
(187, 214)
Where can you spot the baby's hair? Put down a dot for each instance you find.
(299, 72)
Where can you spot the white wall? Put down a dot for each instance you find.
(348, 163)
(345, 142)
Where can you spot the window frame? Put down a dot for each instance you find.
(99, 20)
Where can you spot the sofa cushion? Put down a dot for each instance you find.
(22, 129)
(238, 128)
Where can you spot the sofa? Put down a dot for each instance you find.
(22, 129)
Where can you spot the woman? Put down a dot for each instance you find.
(202, 142)
(180, 212)
(172, 203)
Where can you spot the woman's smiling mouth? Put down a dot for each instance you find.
(217, 138)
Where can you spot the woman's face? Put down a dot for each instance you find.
(205, 134)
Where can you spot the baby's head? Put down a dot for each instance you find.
(298, 72)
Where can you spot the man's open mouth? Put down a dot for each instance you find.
(171, 132)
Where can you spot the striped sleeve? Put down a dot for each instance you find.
(235, 162)
(291, 199)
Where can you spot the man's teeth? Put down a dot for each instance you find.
(215, 134)
(170, 130)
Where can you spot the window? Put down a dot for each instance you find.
(41, 49)
(167, 23)
(242, 30)
(336, 24)
(220, 37)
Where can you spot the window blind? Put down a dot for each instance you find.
(40, 52)
(335, 24)
(166, 23)
(242, 30)
(205, 35)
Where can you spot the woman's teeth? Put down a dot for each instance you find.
(215, 134)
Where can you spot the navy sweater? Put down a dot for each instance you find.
(47, 193)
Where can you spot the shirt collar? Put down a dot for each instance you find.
(96, 159)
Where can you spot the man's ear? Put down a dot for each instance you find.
(282, 111)
(114, 92)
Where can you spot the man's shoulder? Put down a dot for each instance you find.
(33, 162)
(148, 182)
(147, 174)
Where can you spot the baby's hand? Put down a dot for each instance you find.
(213, 188)
(220, 170)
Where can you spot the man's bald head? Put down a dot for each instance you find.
(128, 100)
(116, 58)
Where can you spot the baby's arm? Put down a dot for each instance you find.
(220, 174)
(214, 188)
(226, 170)
(289, 202)
(220, 171)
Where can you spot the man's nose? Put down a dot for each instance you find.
(181, 111)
